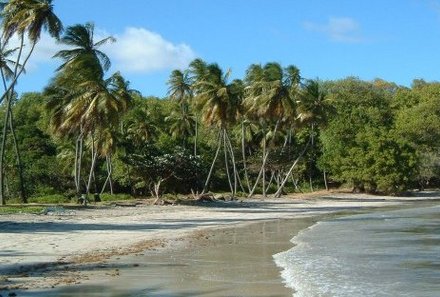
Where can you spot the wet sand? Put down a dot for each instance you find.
(158, 251)
(226, 262)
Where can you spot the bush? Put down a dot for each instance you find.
(20, 209)
(50, 199)
(115, 197)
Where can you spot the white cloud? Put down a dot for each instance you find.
(139, 50)
(342, 29)
(136, 50)
(43, 52)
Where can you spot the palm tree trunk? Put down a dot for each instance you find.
(264, 164)
(2, 153)
(234, 166)
(19, 72)
(325, 181)
(78, 161)
(23, 197)
(92, 169)
(283, 183)
(17, 150)
(258, 178)
(226, 162)
(196, 136)
(108, 180)
(219, 144)
(243, 152)
(311, 158)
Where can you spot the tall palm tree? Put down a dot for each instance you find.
(7, 73)
(83, 50)
(218, 103)
(312, 112)
(23, 17)
(183, 124)
(270, 100)
(88, 103)
(28, 18)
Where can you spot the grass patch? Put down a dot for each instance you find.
(50, 199)
(115, 197)
(12, 209)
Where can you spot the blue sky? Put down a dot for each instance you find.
(396, 40)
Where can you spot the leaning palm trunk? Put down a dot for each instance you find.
(2, 156)
(92, 170)
(78, 161)
(108, 180)
(228, 147)
(311, 157)
(251, 193)
(92, 166)
(17, 150)
(6, 94)
(23, 196)
(237, 176)
(264, 165)
(219, 143)
(228, 174)
(196, 135)
(283, 183)
(243, 152)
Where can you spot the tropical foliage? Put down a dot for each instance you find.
(270, 132)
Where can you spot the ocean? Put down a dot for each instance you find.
(382, 253)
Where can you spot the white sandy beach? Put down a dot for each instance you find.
(39, 251)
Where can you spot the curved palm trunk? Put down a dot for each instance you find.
(258, 177)
(243, 152)
(6, 94)
(219, 144)
(196, 134)
(108, 180)
(283, 183)
(312, 135)
(78, 162)
(237, 178)
(264, 164)
(19, 72)
(226, 162)
(2, 155)
(92, 166)
(23, 196)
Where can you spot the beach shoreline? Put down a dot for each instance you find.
(47, 251)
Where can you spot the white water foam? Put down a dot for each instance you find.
(394, 253)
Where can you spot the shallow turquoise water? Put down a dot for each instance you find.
(386, 253)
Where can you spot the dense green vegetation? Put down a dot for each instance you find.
(270, 132)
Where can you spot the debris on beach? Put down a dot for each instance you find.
(57, 210)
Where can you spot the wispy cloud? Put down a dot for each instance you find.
(136, 50)
(341, 29)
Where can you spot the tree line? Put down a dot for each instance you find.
(270, 132)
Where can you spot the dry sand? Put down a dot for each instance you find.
(60, 247)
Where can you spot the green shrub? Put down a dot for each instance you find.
(115, 197)
(50, 199)
(20, 209)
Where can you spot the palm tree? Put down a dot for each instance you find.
(89, 104)
(270, 100)
(313, 110)
(184, 123)
(218, 103)
(28, 17)
(83, 50)
(23, 17)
